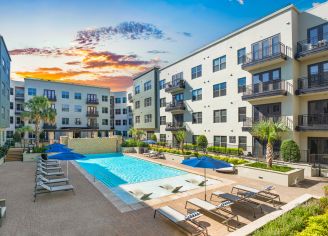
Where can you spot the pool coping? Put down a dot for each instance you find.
(124, 207)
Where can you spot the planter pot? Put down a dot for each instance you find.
(289, 178)
(30, 156)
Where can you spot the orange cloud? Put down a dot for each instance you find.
(50, 75)
(49, 69)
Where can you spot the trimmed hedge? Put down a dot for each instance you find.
(290, 151)
(261, 165)
(134, 143)
(225, 150)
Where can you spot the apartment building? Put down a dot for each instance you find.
(145, 101)
(4, 88)
(274, 68)
(82, 111)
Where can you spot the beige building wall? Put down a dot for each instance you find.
(95, 145)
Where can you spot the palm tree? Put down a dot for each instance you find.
(136, 133)
(23, 130)
(269, 131)
(38, 109)
(180, 137)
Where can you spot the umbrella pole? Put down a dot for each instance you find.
(67, 168)
(205, 182)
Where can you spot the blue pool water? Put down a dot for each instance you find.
(115, 169)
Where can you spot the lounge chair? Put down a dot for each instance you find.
(149, 153)
(173, 189)
(3, 209)
(49, 167)
(244, 200)
(194, 181)
(263, 193)
(45, 173)
(186, 222)
(51, 181)
(42, 187)
(51, 163)
(217, 210)
(141, 195)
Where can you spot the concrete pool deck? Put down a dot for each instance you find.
(88, 212)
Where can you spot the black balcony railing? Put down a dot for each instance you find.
(130, 98)
(92, 113)
(175, 86)
(313, 121)
(312, 45)
(18, 112)
(52, 98)
(92, 101)
(19, 97)
(49, 126)
(277, 50)
(175, 106)
(250, 121)
(93, 125)
(270, 88)
(17, 126)
(175, 126)
(313, 83)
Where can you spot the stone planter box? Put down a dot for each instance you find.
(30, 156)
(289, 178)
(138, 150)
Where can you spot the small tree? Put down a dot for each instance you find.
(136, 134)
(270, 132)
(202, 142)
(17, 137)
(22, 130)
(180, 137)
(153, 137)
(290, 151)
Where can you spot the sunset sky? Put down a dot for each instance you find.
(106, 43)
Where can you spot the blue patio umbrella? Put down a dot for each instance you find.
(67, 156)
(55, 145)
(149, 141)
(206, 163)
(58, 149)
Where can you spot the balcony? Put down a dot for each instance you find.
(176, 107)
(175, 126)
(17, 126)
(312, 84)
(264, 57)
(249, 122)
(312, 122)
(49, 126)
(52, 98)
(18, 112)
(312, 48)
(93, 125)
(19, 97)
(269, 89)
(92, 113)
(130, 98)
(93, 101)
(175, 86)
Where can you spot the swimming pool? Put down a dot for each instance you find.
(115, 169)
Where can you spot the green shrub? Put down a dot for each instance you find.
(17, 137)
(202, 142)
(38, 149)
(190, 147)
(262, 165)
(134, 143)
(163, 144)
(153, 137)
(290, 151)
(225, 150)
(317, 226)
(3, 151)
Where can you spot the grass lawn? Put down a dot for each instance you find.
(274, 167)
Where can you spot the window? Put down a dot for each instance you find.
(11, 105)
(177, 78)
(104, 110)
(65, 121)
(137, 119)
(77, 121)
(123, 99)
(197, 95)
(125, 122)
(147, 85)
(241, 55)
(266, 47)
(19, 107)
(241, 114)
(162, 102)
(104, 121)
(31, 91)
(65, 108)
(50, 94)
(219, 63)
(147, 102)
(77, 108)
(220, 141)
(162, 84)
(130, 121)
(65, 94)
(104, 98)
(137, 105)
(118, 122)
(124, 111)
(197, 118)
(318, 33)
(242, 142)
(137, 89)
(196, 72)
(92, 98)
(220, 116)
(262, 81)
(11, 120)
(117, 111)
(162, 138)
(117, 100)
(148, 118)
(11, 91)
(232, 139)
(220, 90)
(242, 85)
(162, 120)
(125, 133)
(10, 134)
(77, 96)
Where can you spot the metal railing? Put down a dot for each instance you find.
(49, 126)
(265, 53)
(93, 125)
(174, 126)
(175, 106)
(265, 87)
(51, 98)
(19, 96)
(92, 113)
(312, 44)
(313, 120)
(92, 101)
(313, 81)
(250, 121)
(174, 85)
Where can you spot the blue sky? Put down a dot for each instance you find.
(107, 42)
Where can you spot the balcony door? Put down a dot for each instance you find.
(91, 109)
(267, 81)
(266, 47)
(317, 34)
(318, 74)
(261, 112)
(178, 119)
(318, 150)
(177, 98)
(318, 112)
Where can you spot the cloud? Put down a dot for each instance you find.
(187, 34)
(48, 51)
(126, 30)
(71, 63)
(157, 52)
(49, 69)
(50, 75)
